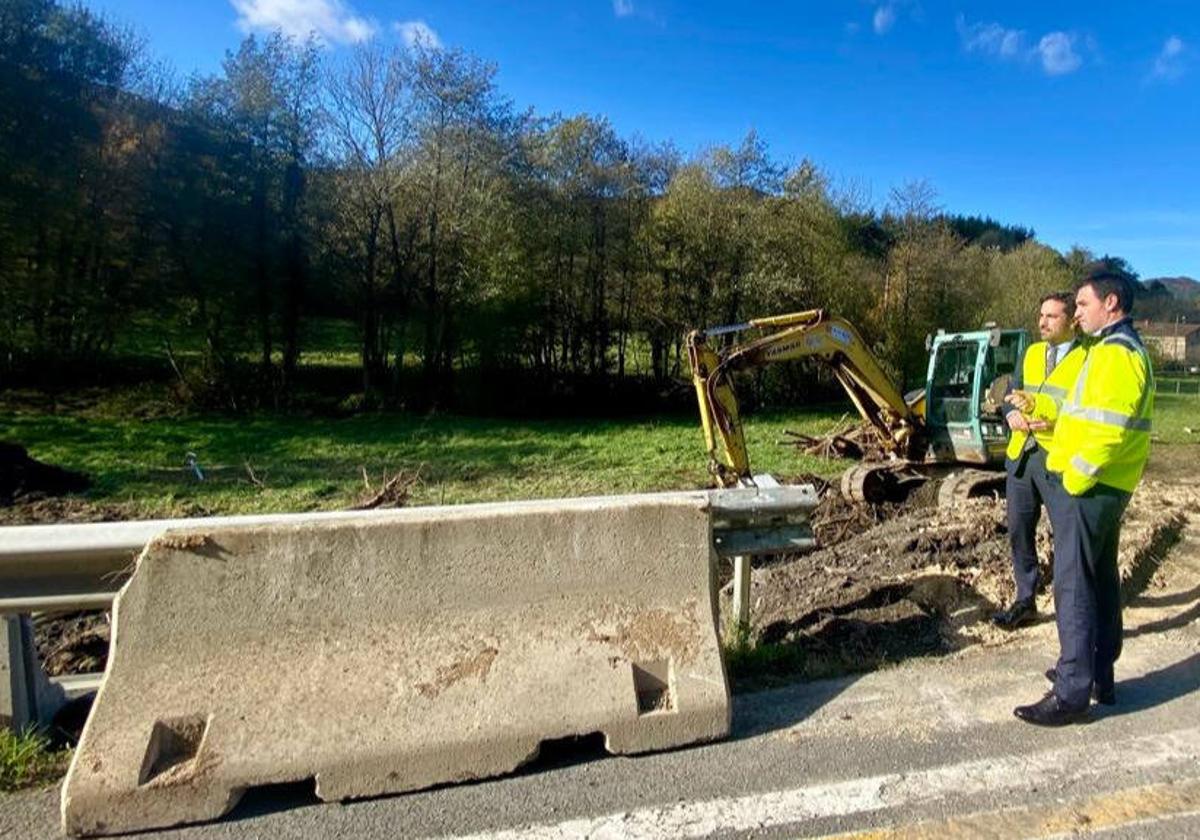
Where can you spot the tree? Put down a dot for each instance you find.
(373, 226)
(464, 134)
(926, 279)
(581, 183)
(1017, 281)
(66, 237)
(801, 250)
(265, 98)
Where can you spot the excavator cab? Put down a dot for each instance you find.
(967, 376)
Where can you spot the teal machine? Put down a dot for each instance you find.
(968, 375)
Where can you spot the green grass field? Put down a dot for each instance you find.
(310, 464)
(304, 463)
(1174, 416)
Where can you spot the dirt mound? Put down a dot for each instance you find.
(923, 580)
(72, 643)
(47, 511)
(876, 565)
(835, 519)
(22, 478)
(1153, 523)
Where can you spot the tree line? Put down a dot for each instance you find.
(475, 247)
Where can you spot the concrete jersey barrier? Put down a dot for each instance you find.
(385, 655)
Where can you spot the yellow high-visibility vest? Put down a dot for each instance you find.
(1048, 391)
(1102, 435)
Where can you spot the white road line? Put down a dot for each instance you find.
(855, 796)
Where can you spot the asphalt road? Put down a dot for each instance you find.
(926, 749)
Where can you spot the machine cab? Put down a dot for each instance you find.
(968, 375)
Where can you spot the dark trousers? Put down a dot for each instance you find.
(1027, 488)
(1087, 590)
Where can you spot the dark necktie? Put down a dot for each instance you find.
(1050, 359)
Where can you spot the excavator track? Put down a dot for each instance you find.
(873, 483)
(961, 485)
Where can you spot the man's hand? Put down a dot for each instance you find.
(1023, 400)
(1038, 425)
(1017, 422)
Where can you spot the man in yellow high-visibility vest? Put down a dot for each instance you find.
(1047, 370)
(1097, 456)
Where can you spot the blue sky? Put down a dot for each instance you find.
(1081, 120)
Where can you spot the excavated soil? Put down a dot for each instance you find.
(72, 643)
(51, 510)
(923, 580)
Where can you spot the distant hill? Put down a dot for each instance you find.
(1183, 288)
(1168, 299)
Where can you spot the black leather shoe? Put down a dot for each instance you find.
(1018, 615)
(1103, 696)
(1050, 711)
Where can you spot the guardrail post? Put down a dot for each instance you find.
(27, 696)
(742, 564)
(18, 673)
(741, 591)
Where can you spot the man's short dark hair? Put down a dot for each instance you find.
(1106, 281)
(1067, 299)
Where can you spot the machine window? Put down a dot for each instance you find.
(953, 382)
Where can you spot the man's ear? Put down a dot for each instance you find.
(1112, 302)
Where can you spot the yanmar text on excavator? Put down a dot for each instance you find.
(951, 429)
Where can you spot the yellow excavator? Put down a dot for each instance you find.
(950, 429)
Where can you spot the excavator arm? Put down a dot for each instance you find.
(802, 335)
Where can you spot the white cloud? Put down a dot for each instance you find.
(885, 17)
(1054, 51)
(1170, 60)
(1057, 52)
(991, 39)
(623, 8)
(329, 20)
(418, 32)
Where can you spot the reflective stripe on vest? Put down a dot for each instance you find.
(1108, 418)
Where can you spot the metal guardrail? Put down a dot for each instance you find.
(81, 566)
(54, 568)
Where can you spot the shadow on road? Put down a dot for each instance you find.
(781, 708)
(1155, 688)
(1179, 620)
(1175, 599)
(269, 799)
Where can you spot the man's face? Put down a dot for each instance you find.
(1092, 313)
(1053, 322)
